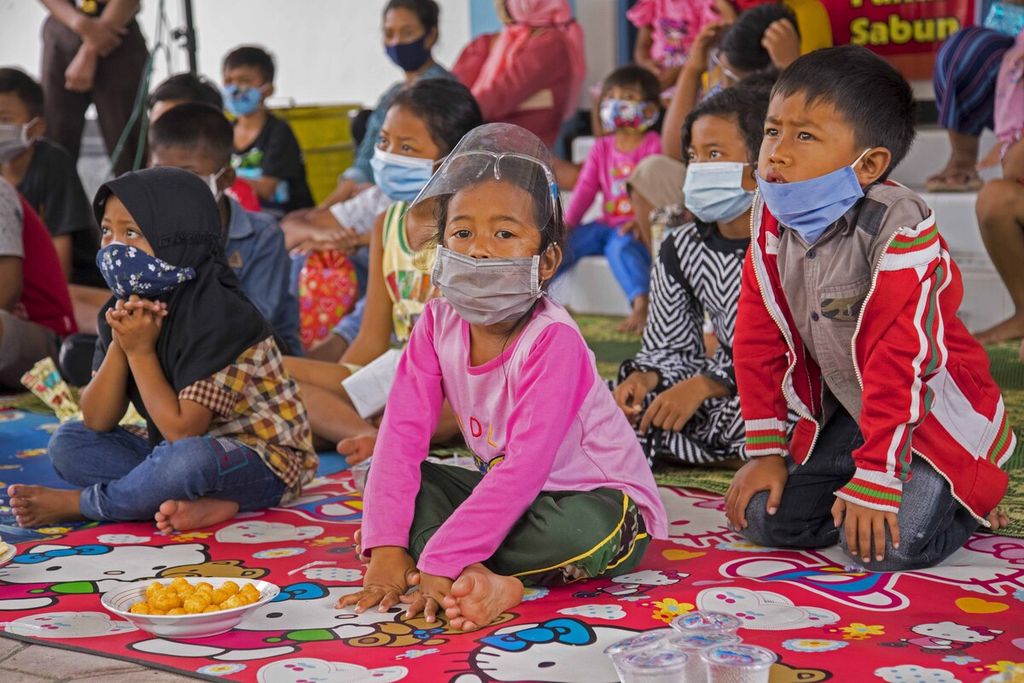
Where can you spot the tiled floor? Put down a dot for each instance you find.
(23, 663)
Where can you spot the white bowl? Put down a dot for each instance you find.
(186, 625)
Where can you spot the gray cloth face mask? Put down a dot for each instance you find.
(487, 291)
(13, 140)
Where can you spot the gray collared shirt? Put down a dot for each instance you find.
(826, 283)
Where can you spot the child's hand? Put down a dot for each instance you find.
(764, 473)
(782, 43)
(388, 576)
(136, 324)
(697, 59)
(629, 395)
(433, 589)
(674, 407)
(862, 525)
(640, 232)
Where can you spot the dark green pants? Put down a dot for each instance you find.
(561, 538)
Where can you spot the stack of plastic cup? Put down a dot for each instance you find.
(652, 666)
(359, 472)
(644, 642)
(738, 663)
(706, 622)
(692, 645)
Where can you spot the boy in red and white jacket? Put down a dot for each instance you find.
(847, 317)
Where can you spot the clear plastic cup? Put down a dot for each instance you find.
(693, 644)
(652, 666)
(649, 640)
(738, 663)
(706, 622)
(359, 472)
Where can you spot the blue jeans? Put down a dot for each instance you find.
(628, 258)
(124, 479)
(933, 525)
(348, 327)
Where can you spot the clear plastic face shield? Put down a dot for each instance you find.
(496, 152)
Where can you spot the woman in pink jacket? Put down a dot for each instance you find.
(531, 72)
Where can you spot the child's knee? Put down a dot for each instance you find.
(67, 442)
(759, 527)
(997, 200)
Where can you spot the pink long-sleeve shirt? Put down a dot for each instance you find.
(607, 170)
(539, 413)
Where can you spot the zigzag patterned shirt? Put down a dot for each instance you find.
(697, 275)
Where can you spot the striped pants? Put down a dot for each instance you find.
(965, 78)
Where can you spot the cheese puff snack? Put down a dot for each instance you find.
(180, 597)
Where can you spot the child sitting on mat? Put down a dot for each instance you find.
(564, 492)
(629, 108)
(847, 317)
(179, 339)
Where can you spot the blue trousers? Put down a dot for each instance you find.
(933, 525)
(628, 258)
(124, 479)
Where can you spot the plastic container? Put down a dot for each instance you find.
(652, 666)
(359, 472)
(693, 644)
(706, 622)
(649, 640)
(738, 663)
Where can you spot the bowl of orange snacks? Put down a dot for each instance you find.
(189, 608)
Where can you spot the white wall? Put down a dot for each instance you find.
(326, 50)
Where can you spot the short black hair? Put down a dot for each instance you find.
(426, 11)
(254, 56)
(866, 91)
(187, 87)
(746, 104)
(446, 106)
(195, 125)
(741, 43)
(633, 76)
(24, 87)
(522, 174)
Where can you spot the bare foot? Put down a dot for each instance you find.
(638, 318)
(40, 505)
(357, 448)
(998, 519)
(479, 596)
(185, 515)
(1009, 329)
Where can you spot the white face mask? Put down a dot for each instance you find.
(14, 139)
(487, 291)
(212, 181)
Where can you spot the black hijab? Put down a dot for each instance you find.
(210, 322)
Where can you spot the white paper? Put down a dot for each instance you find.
(369, 387)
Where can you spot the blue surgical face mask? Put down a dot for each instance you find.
(409, 56)
(714, 192)
(129, 270)
(400, 178)
(810, 206)
(242, 101)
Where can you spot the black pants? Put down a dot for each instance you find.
(114, 90)
(933, 525)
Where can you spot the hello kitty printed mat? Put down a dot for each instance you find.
(962, 622)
